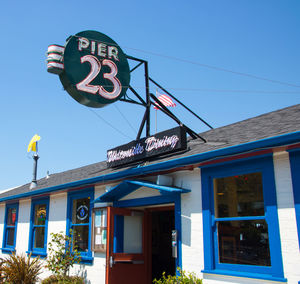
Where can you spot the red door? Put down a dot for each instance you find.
(126, 259)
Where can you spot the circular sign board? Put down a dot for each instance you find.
(96, 71)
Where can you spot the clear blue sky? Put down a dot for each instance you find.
(182, 41)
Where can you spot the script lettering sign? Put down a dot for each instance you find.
(162, 143)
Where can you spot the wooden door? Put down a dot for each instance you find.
(126, 257)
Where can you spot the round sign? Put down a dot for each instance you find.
(82, 212)
(96, 71)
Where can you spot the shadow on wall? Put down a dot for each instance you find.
(83, 273)
(191, 207)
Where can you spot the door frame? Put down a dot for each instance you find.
(164, 199)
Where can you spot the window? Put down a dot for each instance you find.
(10, 227)
(80, 220)
(38, 227)
(241, 232)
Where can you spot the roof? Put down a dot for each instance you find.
(273, 124)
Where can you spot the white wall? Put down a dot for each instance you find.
(191, 219)
(2, 216)
(23, 226)
(287, 217)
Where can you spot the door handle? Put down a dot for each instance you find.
(111, 261)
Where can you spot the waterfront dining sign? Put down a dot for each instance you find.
(92, 68)
(162, 143)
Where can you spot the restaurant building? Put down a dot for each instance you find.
(227, 209)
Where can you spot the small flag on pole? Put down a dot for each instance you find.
(32, 143)
(165, 100)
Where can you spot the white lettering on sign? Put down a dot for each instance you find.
(83, 43)
(154, 143)
(151, 143)
(103, 50)
(95, 64)
(121, 154)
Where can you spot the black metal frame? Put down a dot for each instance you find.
(147, 103)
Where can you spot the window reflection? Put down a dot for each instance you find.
(39, 237)
(244, 242)
(240, 195)
(81, 238)
(40, 214)
(11, 218)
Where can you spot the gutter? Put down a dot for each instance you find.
(281, 140)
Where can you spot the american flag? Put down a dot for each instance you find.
(165, 100)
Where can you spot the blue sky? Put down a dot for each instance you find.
(227, 60)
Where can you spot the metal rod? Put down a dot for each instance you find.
(137, 95)
(181, 103)
(137, 66)
(135, 58)
(142, 126)
(131, 101)
(147, 99)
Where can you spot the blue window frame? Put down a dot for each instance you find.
(79, 220)
(240, 221)
(10, 228)
(295, 170)
(39, 227)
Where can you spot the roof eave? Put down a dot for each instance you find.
(271, 142)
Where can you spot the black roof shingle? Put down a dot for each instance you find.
(271, 124)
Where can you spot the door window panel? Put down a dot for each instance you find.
(128, 233)
(133, 234)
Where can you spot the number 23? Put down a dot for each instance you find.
(85, 86)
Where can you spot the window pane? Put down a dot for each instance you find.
(39, 237)
(240, 195)
(11, 216)
(10, 236)
(80, 211)
(40, 214)
(133, 234)
(81, 238)
(244, 242)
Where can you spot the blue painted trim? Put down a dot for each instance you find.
(8, 250)
(168, 189)
(118, 234)
(33, 254)
(295, 170)
(210, 238)
(128, 186)
(177, 212)
(280, 140)
(245, 275)
(154, 200)
(86, 257)
(5, 247)
(38, 251)
(239, 218)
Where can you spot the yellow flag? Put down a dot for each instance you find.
(32, 143)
